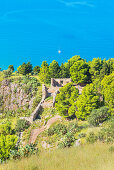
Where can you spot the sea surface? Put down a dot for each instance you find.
(35, 30)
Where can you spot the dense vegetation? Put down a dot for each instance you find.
(87, 117)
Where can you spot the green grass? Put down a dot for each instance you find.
(88, 157)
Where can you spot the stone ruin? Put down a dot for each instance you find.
(39, 107)
(60, 82)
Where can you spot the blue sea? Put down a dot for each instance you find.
(35, 30)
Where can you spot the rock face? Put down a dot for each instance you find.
(14, 97)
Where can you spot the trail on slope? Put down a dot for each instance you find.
(36, 132)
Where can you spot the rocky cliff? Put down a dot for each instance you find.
(17, 95)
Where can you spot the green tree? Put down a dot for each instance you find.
(86, 102)
(80, 72)
(104, 70)
(66, 99)
(11, 67)
(7, 73)
(25, 69)
(70, 63)
(44, 74)
(36, 70)
(110, 64)
(98, 116)
(108, 91)
(95, 67)
(54, 69)
(63, 71)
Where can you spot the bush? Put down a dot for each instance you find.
(111, 149)
(22, 125)
(58, 129)
(67, 141)
(98, 116)
(37, 100)
(7, 73)
(5, 129)
(51, 131)
(72, 127)
(25, 151)
(82, 135)
(31, 84)
(107, 134)
(92, 138)
(7, 143)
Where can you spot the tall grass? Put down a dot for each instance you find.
(89, 157)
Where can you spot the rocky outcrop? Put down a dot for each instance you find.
(14, 96)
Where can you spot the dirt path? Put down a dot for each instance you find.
(36, 132)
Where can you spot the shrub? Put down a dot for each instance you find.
(67, 141)
(82, 135)
(106, 134)
(60, 129)
(1, 100)
(72, 127)
(98, 116)
(22, 125)
(92, 138)
(9, 113)
(31, 84)
(111, 149)
(7, 73)
(37, 100)
(25, 151)
(7, 143)
(5, 129)
(51, 131)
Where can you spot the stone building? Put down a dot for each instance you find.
(60, 82)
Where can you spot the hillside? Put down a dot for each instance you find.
(64, 112)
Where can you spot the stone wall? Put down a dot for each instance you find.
(54, 97)
(60, 82)
(38, 109)
(44, 92)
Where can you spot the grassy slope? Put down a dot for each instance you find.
(88, 157)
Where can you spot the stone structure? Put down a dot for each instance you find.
(79, 87)
(60, 82)
(54, 97)
(14, 97)
(44, 92)
(38, 109)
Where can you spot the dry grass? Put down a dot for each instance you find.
(89, 157)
